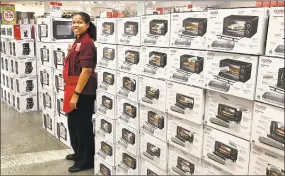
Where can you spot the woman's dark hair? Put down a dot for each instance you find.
(92, 28)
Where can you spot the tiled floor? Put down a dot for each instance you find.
(27, 149)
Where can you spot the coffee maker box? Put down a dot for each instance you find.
(107, 31)
(24, 31)
(46, 77)
(106, 105)
(58, 82)
(24, 67)
(105, 128)
(211, 169)
(107, 80)
(103, 168)
(148, 168)
(48, 100)
(23, 48)
(105, 150)
(129, 58)
(107, 55)
(58, 53)
(61, 130)
(48, 122)
(129, 31)
(59, 99)
(44, 54)
(26, 102)
(25, 85)
(127, 86)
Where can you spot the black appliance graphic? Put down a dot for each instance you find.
(105, 150)
(129, 111)
(183, 102)
(42, 31)
(44, 54)
(47, 122)
(108, 79)
(59, 82)
(61, 131)
(3, 31)
(26, 49)
(104, 170)
(108, 28)
(127, 138)
(2, 63)
(12, 83)
(281, 78)
(107, 104)
(7, 82)
(131, 28)
(18, 103)
(156, 60)
(182, 136)
(6, 64)
(58, 57)
(131, 58)
(44, 78)
(279, 50)
(272, 170)
(152, 151)
(17, 67)
(108, 53)
(9, 31)
(105, 127)
(9, 97)
(47, 100)
(13, 100)
(28, 67)
(150, 173)
(1, 46)
(12, 65)
(150, 94)
(129, 85)
(223, 152)
(127, 163)
(25, 32)
(14, 48)
(29, 85)
(3, 79)
(30, 103)
(10, 48)
(59, 107)
(5, 95)
(158, 27)
(154, 121)
(4, 47)
(184, 167)
(62, 30)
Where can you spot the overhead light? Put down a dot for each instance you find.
(81, 2)
(153, 2)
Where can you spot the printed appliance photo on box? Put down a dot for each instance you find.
(25, 102)
(107, 55)
(44, 54)
(148, 168)
(24, 67)
(107, 30)
(25, 85)
(48, 122)
(58, 82)
(58, 53)
(102, 168)
(127, 86)
(106, 104)
(61, 130)
(105, 150)
(228, 152)
(106, 80)
(104, 128)
(48, 100)
(231, 74)
(188, 30)
(240, 30)
(45, 77)
(229, 114)
(59, 106)
(129, 58)
(155, 30)
(270, 81)
(126, 163)
(23, 48)
(129, 31)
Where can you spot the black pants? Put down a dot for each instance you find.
(81, 131)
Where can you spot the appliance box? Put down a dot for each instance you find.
(129, 59)
(104, 128)
(23, 48)
(45, 54)
(148, 168)
(107, 30)
(271, 81)
(106, 104)
(107, 80)
(24, 67)
(103, 168)
(25, 102)
(61, 130)
(127, 86)
(5, 65)
(228, 113)
(48, 122)
(24, 31)
(107, 56)
(240, 30)
(231, 74)
(129, 31)
(58, 53)
(59, 106)
(25, 85)
(45, 77)
(9, 31)
(58, 82)
(48, 101)
(211, 169)
(105, 150)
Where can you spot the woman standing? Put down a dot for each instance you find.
(80, 92)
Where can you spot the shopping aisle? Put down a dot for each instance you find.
(26, 148)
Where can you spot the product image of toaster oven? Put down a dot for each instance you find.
(107, 104)
(108, 28)
(129, 84)
(151, 151)
(150, 173)
(108, 79)
(26, 49)
(59, 107)
(28, 67)
(12, 65)
(223, 152)
(129, 111)
(184, 167)
(182, 103)
(3, 31)
(228, 113)
(104, 170)
(194, 27)
(108, 53)
(132, 57)
(279, 50)
(272, 170)
(182, 136)
(47, 101)
(29, 85)
(157, 59)
(191, 64)
(6, 64)
(158, 27)
(16, 67)
(1, 47)
(150, 94)
(127, 138)
(106, 126)
(13, 100)
(44, 54)
(61, 131)
(7, 82)
(30, 103)
(131, 28)
(62, 30)
(127, 163)
(47, 122)
(9, 98)
(105, 150)
(58, 57)
(154, 121)
(2, 63)
(44, 78)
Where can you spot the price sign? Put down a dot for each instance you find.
(55, 9)
(8, 14)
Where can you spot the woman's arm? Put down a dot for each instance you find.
(83, 78)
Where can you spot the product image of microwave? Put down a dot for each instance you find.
(154, 121)
(131, 28)
(44, 78)
(108, 53)
(47, 100)
(105, 150)
(107, 104)
(194, 26)
(47, 122)
(279, 50)
(129, 111)
(108, 28)
(223, 152)
(127, 163)
(58, 57)
(59, 82)
(59, 106)
(29, 85)
(150, 94)
(62, 30)
(30, 103)
(28, 67)
(183, 102)
(158, 27)
(272, 170)
(44, 54)
(182, 136)
(151, 151)
(104, 170)
(184, 167)
(132, 57)
(61, 131)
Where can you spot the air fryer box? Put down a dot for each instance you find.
(127, 86)
(231, 74)
(267, 127)
(129, 58)
(23, 48)
(153, 122)
(25, 85)
(271, 81)
(61, 130)
(107, 55)
(264, 162)
(188, 30)
(186, 66)
(186, 102)
(57, 54)
(107, 30)
(104, 128)
(24, 31)
(129, 31)
(105, 150)
(59, 106)
(24, 67)
(182, 163)
(46, 77)
(107, 80)
(153, 150)
(48, 122)
(58, 82)
(228, 152)
(239, 30)
(103, 168)
(155, 30)
(152, 93)
(185, 135)
(211, 169)
(228, 113)
(128, 112)
(147, 168)
(48, 101)
(26, 102)
(106, 105)
(45, 54)
(275, 35)
(154, 62)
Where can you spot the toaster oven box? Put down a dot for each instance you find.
(23, 48)
(127, 86)
(23, 67)
(57, 54)
(185, 135)
(128, 112)
(275, 35)
(148, 168)
(152, 93)
(240, 30)
(48, 122)
(103, 168)
(231, 74)
(106, 104)
(46, 77)
(268, 127)
(186, 102)
(228, 152)
(211, 169)
(105, 150)
(186, 66)
(107, 30)
(24, 85)
(228, 113)
(271, 81)
(129, 31)
(107, 80)
(48, 100)
(58, 82)
(107, 55)
(188, 30)
(25, 102)
(61, 130)
(44, 54)
(155, 30)
(59, 106)
(129, 58)
(153, 150)
(105, 128)
(154, 62)
(23, 31)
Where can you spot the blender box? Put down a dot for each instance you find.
(129, 58)
(44, 54)
(103, 168)
(59, 106)
(227, 152)
(25, 85)
(58, 82)
(127, 86)
(48, 122)
(23, 48)
(129, 31)
(46, 77)
(107, 80)
(48, 101)
(271, 81)
(239, 30)
(107, 30)
(228, 113)
(105, 150)
(188, 30)
(58, 53)
(232, 74)
(155, 30)
(106, 104)
(25, 102)
(24, 67)
(211, 169)
(148, 168)
(104, 128)
(107, 55)
(61, 130)
(186, 102)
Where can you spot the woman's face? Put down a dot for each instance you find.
(79, 26)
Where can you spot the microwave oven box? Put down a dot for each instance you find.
(61, 130)
(229, 114)
(24, 67)
(58, 82)
(147, 168)
(9, 31)
(129, 58)
(107, 30)
(107, 55)
(152, 93)
(186, 66)
(105, 128)
(271, 81)
(23, 48)
(186, 102)
(48, 100)
(44, 54)
(103, 168)
(154, 122)
(26, 102)
(46, 77)
(107, 80)
(275, 35)
(59, 106)
(155, 30)
(127, 86)
(48, 122)
(185, 135)
(58, 53)
(153, 150)
(105, 150)
(231, 74)
(129, 31)
(236, 158)
(154, 62)
(128, 112)
(24, 31)
(211, 169)
(188, 30)
(268, 123)
(240, 30)
(25, 85)
(106, 104)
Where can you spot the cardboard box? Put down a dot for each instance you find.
(105, 128)
(58, 82)
(188, 30)
(23, 48)
(25, 85)
(61, 130)
(105, 150)
(48, 122)
(24, 31)
(240, 30)
(44, 54)
(215, 142)
(228, 113)
(270, 81)
(155, 30)
(219, 76)
(107, 80)
(58, 53)
(129, 58)
(129, 31)
(107, 30)
(103, 168)
(48, 101)
(25, 102)
(46, 77)
(106, 105)
(107, 56)
(148, 168)
(24, 67)
(211, 169)
(59, 106)
(127, 86)
(185, 102)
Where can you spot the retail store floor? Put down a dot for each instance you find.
(27, 149)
